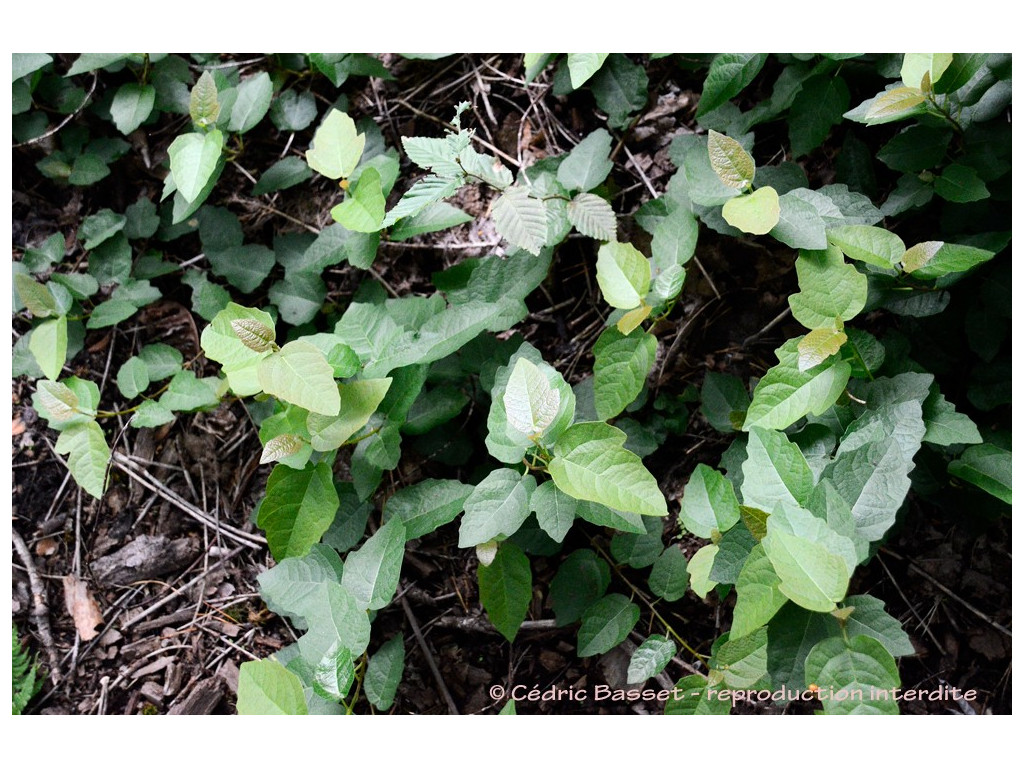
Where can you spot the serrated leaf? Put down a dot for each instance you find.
(785, 394)
(506, 589)
(300, 374)
(853, 673)
(433, 154)
(194, 159)
(336, 146)
(252, 103)
(592, 216)
(531, 403)
(650, 659)
(428, 190)
(426, 506)
(88, 455)
(298, 509)
(372, 571)
(893, 104)
(988, 467)
(497, 507)
(267, 688)
(818, 346)
(204, 107)
(521, 219)
(623, 274)
(588, 164)
(733, 164)
(756, 213)
(829, 289)
(582, 67)
(709, 503)
(384, 673)
(363, 210)
(605, 624)
(49, 345)
(590, 464)
(131, 106)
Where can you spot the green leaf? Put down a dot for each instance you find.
(555, 510)
(829, 289)
(694, 696)
(131, 106)
(531, 403)
(428, 190)
(733, 164)
(110, 313)
(49, 345)
(133, 377)
(917, 65)
(188, 393)
(818, 346)
(588, 164)
(857, 676)
(590, 464)
(87, 62)
(582, 67)
(434, 218)
(623, 274)
(709, 503)
(741, 663)
(88, 455)
(756, 213)
(58, 399)
(334, 673)
(285, 173)
(621, 365)
(916, 149)
(961, 184)
(987, 466)
(639, 550)
(810, 575)
(800, 225)
(818, 106)
(292, 587)
(944, 425)
(293, 110)
(384, 673)
(606, 623)
(340, 621)
(300, 374)
(23, 64)
(358, 402)
(194, 159)
(873, 480)
(372, 571)
(674, 240)
(252, 103)
(650, 659)
(521, 219)
(699, 569)
(592, 216)
(669, 577)
(363, 210)
(729, 74)
(724, 401)
(151, 414)
(775, 471)
(204, 106)
(619, 88)
(936, 259)
(506, 589)
(50, 251)
(100, 227)
(336, 146)
(758, 597)
(267, 688)
(581, 580)
(426, 506)
(894, 104)
(870, 618)
(496, 508)
(298, 509)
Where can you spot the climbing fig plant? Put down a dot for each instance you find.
(821, 449)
